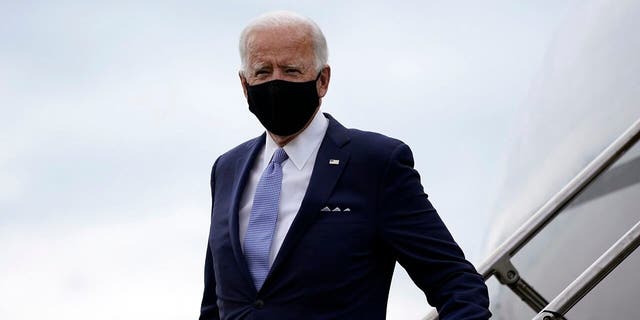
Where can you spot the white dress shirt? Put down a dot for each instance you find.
(296, 173)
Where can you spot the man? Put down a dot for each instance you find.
(309, 219)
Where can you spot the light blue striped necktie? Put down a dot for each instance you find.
(262, 222)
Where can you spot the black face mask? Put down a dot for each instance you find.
(283, 107)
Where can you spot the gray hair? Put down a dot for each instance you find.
(281, 19)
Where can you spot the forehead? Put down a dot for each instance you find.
(280, 43)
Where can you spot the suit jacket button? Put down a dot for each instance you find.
(258, 304)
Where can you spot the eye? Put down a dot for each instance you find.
(292, 70)
(262, 71)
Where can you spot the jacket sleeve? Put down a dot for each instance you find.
(422, 244)
(209, 307)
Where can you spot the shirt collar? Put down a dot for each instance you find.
(300, 149)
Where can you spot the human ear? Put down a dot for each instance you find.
(243, 82)
(322, 85)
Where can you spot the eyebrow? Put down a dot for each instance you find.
(300, 68)
(259, 65)
(291, 65)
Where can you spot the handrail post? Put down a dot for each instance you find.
(508, 275)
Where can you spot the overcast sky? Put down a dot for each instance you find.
(112, 113)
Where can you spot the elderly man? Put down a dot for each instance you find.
(309, 219)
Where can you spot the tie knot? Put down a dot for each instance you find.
(279, 156)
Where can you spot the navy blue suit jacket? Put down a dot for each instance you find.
(339, 265)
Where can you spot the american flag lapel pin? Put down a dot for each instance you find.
(334, 162)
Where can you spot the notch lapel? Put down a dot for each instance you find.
(242, 169)
(323, 179)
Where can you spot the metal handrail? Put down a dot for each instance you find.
(502, 255)
(583, 284)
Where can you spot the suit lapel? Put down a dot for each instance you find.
(242, 169)
(323, 179)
